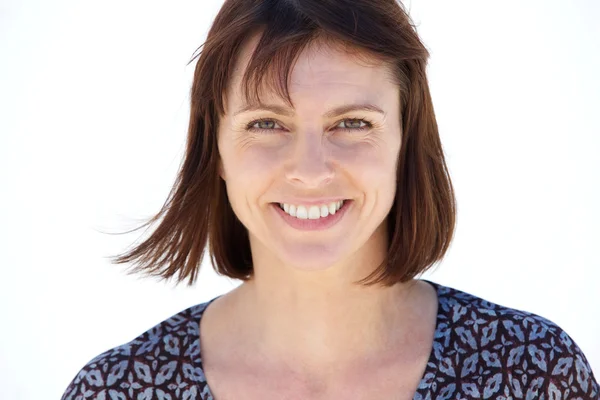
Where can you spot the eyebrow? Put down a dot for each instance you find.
(329, 114)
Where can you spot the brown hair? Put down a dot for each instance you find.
(197, 211)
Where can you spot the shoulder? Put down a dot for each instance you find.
(503, 351)
(163, 360)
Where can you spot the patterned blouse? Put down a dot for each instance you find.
(481, 350)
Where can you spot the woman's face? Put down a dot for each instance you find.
(311, 155)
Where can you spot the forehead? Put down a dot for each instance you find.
(322, 67)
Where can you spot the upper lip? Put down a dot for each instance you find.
(312, 201)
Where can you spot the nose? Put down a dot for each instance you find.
(309, 165)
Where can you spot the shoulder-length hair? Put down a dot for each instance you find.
(197, 212)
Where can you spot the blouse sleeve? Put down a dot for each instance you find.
(568, 373)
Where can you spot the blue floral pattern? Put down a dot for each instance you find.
(481, 350)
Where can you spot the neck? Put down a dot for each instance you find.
(320, 321)
(321, 327)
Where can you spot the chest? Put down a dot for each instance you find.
(395, 382)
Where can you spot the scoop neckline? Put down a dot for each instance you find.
(431, 368)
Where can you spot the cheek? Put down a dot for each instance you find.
(256, 162)
(370, 164)
(249, 171)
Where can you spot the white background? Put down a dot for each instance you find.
(94, 101)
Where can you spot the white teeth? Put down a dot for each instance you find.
(301, 212)
(333, 207)
(312, 212)
(324, 211)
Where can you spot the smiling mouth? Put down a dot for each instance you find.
(312, 211)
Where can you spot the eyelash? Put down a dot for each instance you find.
(368, 125)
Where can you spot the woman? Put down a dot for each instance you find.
(315, 168)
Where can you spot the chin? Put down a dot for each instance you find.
(311, 257)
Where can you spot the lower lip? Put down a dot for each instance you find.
(313, 224)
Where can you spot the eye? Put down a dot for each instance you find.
(349, 124)
(261, 125)
(355, 124)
